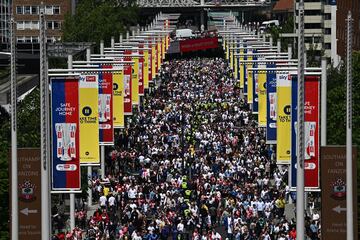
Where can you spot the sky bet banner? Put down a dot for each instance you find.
(312, 123)
(106, 126)
(283, 122)
(118, 92)
(89, 121)
(261, 87)
(271, 105)
(65, 133)
(135, 81)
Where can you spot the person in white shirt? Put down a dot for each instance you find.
(103, 201)
(111, 201)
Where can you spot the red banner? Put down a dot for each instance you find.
(141, 71)
(312, 127)
(198, 44)
(65, 134)
(127, 84)
(106, 118)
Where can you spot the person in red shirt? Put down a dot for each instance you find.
(292, 233)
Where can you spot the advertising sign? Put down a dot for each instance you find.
(250, 83)
(153, 62)
(200, 44)
(159, 54)
(127, 86)
(65, 133)
(283, 120)
(118, 92)
(29, 192)
(141, 72)
(242, 70)
(333, 192)
(255, 106)
(147, 63)
(106, 115)
(261, 95)
(89, 121)
(135, 81)
(236, 59)
(246, 66)
(312, 126)
(271, 105)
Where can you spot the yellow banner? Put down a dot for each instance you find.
(249, 83)
(88, 119)
(236, 60)
(224, 43)
(153, 61)
(118, 100)
(135, 82)
(159, 56)
(283, 121)
(242, 74)
(163, 47)
(146, 69)
(262, 97)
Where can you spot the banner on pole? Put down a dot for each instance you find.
(89, 121)
(147, 63)
(262, 97)
(255, 106)
(153, 62)
(127, 85)
(135, 81)
(312, 123)
(65, 133)
(118, 92)
(242, 70)
(271, 105)
(283, 121)
(106, 116)
(141, 71)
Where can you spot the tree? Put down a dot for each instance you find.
(28, 129)
(99, 20)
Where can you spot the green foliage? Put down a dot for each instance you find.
(336, 103)
(99, 20)
(286, 27)
(28, 124)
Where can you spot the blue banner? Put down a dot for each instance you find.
(271, 111)
(65, 133)
(255, 106)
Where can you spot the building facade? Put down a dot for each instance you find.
(320, 27)
(343, 7)
(26, 16)
(5, 13)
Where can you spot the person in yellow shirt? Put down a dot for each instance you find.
(280, 205)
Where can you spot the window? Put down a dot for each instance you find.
(56, 10)
(328, 31)
(327, 16)
(327, 45)
(20, 39)
(20, 25)
(34, 10)
(49, 24)
(28, 39)
(49, 10)
(27, 25)
(19, 10)
(35, 25)
(312, 25)
(35, 39)
(57, 25)
(27, 10)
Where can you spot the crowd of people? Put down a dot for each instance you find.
(193, 164)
